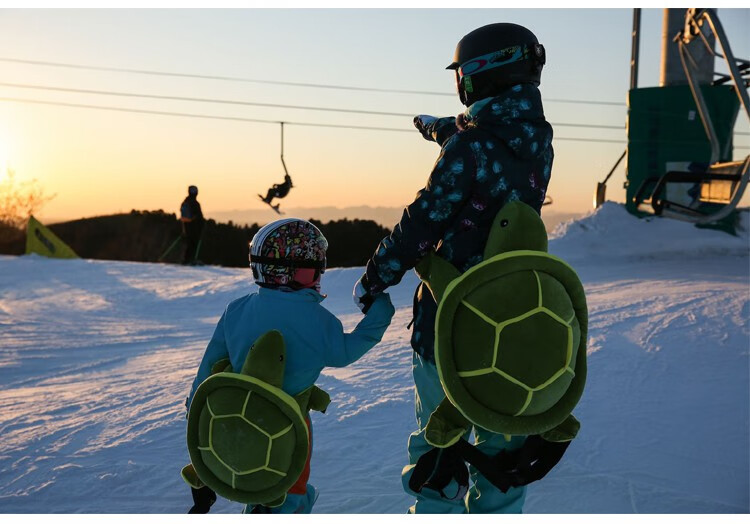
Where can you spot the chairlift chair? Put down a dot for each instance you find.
(702, 193)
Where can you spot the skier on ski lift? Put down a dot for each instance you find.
(278, 191)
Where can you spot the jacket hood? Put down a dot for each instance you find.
(516, 117)
(300, 295)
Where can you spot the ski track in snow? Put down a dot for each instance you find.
(96, 359)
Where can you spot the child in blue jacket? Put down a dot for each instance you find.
(287, 259)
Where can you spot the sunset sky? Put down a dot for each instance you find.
(101, 162)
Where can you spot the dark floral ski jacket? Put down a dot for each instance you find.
(503, 152)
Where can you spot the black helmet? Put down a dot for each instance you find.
(192, 190)
(494, 57)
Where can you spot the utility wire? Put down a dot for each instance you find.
(194, 99)
(263, 121)
(255, 120)
(281, 106)
(248, 103)
(217, 77)
(271, 82)
(194, 115)
(585, 102)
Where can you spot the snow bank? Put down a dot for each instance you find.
(611, 232)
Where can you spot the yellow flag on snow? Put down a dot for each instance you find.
(42, 241)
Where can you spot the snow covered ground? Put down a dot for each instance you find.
(96, 358)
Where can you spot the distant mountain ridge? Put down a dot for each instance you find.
(383, 215)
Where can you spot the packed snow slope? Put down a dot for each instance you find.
(96, 359)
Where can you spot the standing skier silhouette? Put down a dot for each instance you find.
(192, 220)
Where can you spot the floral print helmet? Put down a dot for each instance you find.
(289, 253)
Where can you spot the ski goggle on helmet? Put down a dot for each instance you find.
(494, 57)
(290, 252)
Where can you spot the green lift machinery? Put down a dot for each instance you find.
(680, 137)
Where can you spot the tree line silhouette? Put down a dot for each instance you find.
(143, 236)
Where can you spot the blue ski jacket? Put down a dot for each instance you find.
(503, 153)
(314, 337)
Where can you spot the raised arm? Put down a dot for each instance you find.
(425, 220)
(435, 129)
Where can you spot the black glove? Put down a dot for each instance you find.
(519, 467)
(435, 470)
(361, 295)
(424, 124)
(203, 499)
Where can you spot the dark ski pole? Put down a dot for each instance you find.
(200, 243)
(169, 249)
(198, 249)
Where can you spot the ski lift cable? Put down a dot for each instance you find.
(194, 115)
(197, 99)
(272, 82)
(285, 106)
(250, 103)
(262, 121)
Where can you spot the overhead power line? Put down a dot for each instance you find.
(206, 100)
(265, 121)
(584, 102)
(219, 77)
(272, 82)
(254, 120)
(249, 103)
(194, 115)
(266, 104)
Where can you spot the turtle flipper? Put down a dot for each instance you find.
(319, 400)
(563, 432)
(446, 425)
(313, 398)
(222, 366)
(276, 503)
(189, 475)
(437, 273)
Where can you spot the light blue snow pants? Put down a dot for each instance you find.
(483, 497)
(294, 503)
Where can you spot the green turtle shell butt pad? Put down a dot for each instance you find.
(510, 342)
(247, 438)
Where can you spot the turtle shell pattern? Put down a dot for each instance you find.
(249, 438)
(510, 342)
